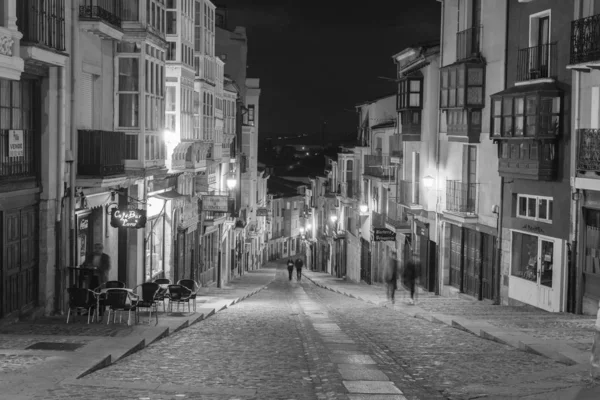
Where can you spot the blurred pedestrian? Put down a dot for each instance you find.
(100, 262)
(409, 277)
(290, 266)
(299, 265)
(391, 279)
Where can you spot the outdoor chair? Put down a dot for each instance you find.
(120, 300)
(81, 299)
(110, 285)
(148, 299)
(193, 286)
(179, 294)
(162, 294)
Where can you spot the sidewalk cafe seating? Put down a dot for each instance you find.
(163, 292)
(193, 286)
(179, 294)
(148, 299)
(82, 299)
(120, 300)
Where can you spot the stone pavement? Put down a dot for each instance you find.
(565, 338)
(37, 355)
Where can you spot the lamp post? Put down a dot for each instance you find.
(231, 184)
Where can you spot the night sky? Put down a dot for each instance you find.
(317, 60)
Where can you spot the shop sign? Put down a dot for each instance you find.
(383, 235)
(534, 229)
(15, 143)
(395, 160)
(215, 203)
(262, 212)
(133, 218)
(84, 223)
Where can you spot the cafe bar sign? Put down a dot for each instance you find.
(128, 218)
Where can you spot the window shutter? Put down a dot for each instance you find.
(86, 101)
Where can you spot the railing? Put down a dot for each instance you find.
(537, 62)
(461, 196)
(588, 157)
(585, 39)
(350, 189)
(100, 153)
(42, 22)
(12, 167)
(405, 193)
(468, 43)
(110, 11)
(396, 216)
(380, 166)
(378, 220)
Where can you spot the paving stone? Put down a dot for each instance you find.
(376, 397)
(372, 387)
(362, 374)
(351, 359)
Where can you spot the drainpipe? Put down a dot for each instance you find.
(574, 278)
(438, 229)
(75, 54)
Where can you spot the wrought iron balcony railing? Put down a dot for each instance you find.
(42, 22)
(461, 196)
(468, 43)
(110, 11)
(588, 156)
(378, 220)
(17, 164)
(380, 166)
(100, 153)
(537, 62)
(585, 39)
(408, 193)
(350, 189)
(396, 215)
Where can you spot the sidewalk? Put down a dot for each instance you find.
(565, 338)
(36, 355)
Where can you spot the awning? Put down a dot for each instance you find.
(169, 195)
(550, 87)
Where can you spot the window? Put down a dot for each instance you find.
(130, 10)
(524, 256)
(128, 92)
(462, 86)
(410, 93)
(171, 22)
(537, 208)
(528, 115)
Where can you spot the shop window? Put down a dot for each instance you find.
(592, 242)
(524, 256)
(535, 207)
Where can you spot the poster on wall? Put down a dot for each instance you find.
(15, 143)
(83, 224)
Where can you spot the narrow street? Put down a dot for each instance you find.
(295, 340)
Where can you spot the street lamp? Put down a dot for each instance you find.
(302, 230)
(308, 227)
(231, 183)
(334, 218)
(363, 208)
(428, 181)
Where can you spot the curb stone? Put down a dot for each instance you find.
(510, 338)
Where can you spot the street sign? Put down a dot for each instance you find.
(383, 235)
(215, 203)
(262, 212)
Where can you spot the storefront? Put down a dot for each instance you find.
(424, 253)
(590, 259)
(537, 269)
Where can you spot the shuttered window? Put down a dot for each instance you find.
(86, 101)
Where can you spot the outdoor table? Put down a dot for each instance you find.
(102, 294)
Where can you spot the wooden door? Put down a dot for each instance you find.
(455, 256)
(471, 262)
(488, 272)
(19, 260)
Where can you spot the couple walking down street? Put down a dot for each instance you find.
(298, 264)
(409, 277)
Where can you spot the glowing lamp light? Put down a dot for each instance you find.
(333, 218)
(363, 208)
(302, 230)
(308, 227)
(428, 181)
(231, 183)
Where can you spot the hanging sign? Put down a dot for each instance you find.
(262, 212)
(383, 235)
(133, 218)
(215, 203)
(15, 143)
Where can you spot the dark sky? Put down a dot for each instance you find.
(317, 59)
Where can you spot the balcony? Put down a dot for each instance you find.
(588, 156)
(585, 41)
(528, 159)
(461, 197)
(101, 18)
(190, 156)
(24, 165)
(468, 43)
(42, 23)
(380, 166)
(11, 63)
(408, 194)
(537, 62)
(350, 190)
(100, 154)
(396, 219)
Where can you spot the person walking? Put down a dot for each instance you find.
(391, 279)
(290, 266)
(299, 265)
(409, 278)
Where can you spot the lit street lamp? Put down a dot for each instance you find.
(363, 208)
(231, 183)
(428, 181)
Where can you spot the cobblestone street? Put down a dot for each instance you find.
(295, 340)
